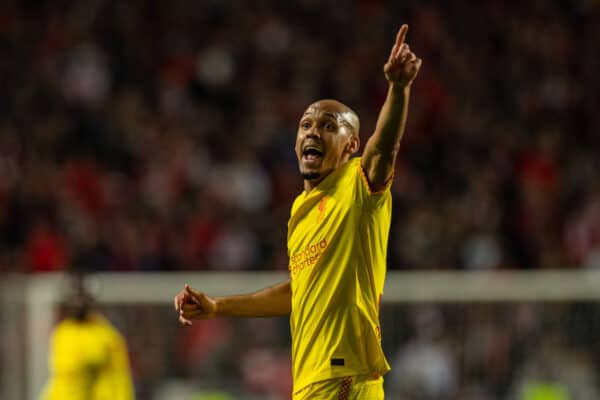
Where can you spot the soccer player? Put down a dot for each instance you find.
(88, 356)
(337, 238)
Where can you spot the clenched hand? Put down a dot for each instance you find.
(191, 304)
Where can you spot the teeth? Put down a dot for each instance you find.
(308, 148)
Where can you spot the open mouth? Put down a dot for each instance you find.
(312, 153)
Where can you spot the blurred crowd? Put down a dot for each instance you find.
(148, 135)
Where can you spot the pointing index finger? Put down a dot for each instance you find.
(401, 35)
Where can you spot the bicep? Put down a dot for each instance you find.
(377, 164)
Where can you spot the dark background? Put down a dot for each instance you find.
(150, 135)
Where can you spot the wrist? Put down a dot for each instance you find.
(398, 93)
(399, 88)
(219, 304)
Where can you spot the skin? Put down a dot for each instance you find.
(331, 128)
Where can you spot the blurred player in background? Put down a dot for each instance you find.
(88, 356)
(337, 240)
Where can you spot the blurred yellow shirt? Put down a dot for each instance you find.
(88, 361)
(337, 242)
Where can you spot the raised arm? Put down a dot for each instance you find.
(380, 152)
(269, 302)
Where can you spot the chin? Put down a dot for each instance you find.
(310, 176)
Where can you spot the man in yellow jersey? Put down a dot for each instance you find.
(337, 239)
(88, 356)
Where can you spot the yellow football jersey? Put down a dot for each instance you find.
(337, 242)
(88, 361)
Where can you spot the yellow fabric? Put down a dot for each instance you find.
(360, 388)
(337, 241)
(544, 391)
(88, 361)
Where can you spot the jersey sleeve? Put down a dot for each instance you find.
(369, 198)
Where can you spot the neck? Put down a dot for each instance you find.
(312, 183)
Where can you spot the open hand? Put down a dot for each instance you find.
(191, 304)
(403, 65)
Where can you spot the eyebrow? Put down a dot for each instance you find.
(335, 116)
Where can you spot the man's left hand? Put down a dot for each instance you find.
(402, 65)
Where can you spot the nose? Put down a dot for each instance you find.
(313, 133)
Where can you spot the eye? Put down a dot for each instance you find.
(330, 126)
(305, 125)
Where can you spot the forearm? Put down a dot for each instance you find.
(269, 302)
(382, 148)
(392, 120)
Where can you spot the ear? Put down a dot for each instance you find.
(352, 145)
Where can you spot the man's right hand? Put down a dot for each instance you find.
(191, 304)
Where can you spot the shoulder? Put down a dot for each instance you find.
(297, 201)
(350, 170)
(354, 164)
